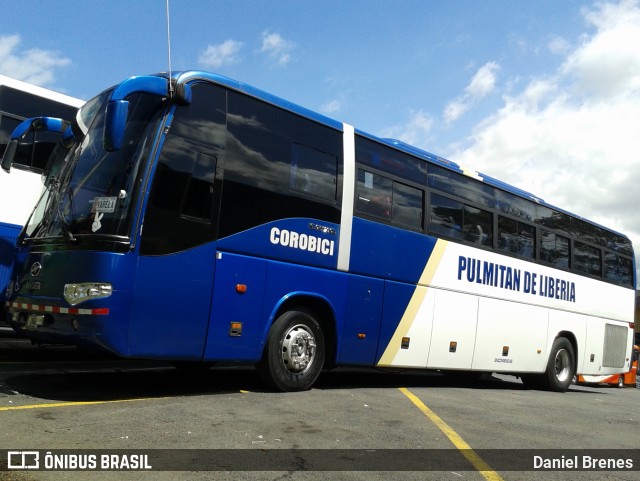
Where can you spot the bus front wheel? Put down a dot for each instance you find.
(295, 352)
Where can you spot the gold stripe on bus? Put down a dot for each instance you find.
(413, 307)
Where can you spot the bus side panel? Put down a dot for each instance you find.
(389, 252)
(576, 324)
(407, 311)
(454, 330)
(362, 321)
(225, 339)
(592, 352)
(511, 337)
(600, 345)
(269, 285)
(8, 236)
(171, 303)
(288, 282)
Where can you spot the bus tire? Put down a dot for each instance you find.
(294, 354)
(621, 381)
(561, 366)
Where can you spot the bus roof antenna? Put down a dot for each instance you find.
(169, 51)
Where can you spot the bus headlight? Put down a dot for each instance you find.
(77, 293)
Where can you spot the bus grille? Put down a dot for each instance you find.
(615, 346)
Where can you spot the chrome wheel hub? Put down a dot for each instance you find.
(298, 349)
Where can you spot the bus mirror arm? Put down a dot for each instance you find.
(118, 106)
(37, 124)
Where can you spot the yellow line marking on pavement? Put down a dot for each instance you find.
(477, 462)
(69, 404)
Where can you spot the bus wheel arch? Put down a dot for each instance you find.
(300, 341)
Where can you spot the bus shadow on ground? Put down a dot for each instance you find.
(67, 374)
(76, 384)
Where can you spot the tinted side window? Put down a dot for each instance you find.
(516, 237)
(461, 186)
(453, 219)
(586, 259)
(198, 200)
(554, 249)
(618, 269)
(389, 160)
(181, 210)
(313, 172)
(374, 195)
(277, 165)
(408, 205)
(618, 243)
(478, 226)
(445, 217)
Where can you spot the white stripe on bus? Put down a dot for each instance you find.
(348, 193)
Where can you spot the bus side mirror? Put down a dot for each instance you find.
(9, 154)
(115, 121)
(32, 155)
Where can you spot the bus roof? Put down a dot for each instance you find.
(40, 91)
(394, 143)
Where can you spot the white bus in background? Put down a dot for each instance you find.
(20, 189)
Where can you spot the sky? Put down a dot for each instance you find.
(542, 94)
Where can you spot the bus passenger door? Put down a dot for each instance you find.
(171, 302)
(174, 283)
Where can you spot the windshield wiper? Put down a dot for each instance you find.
(66, 231)
(23, 232)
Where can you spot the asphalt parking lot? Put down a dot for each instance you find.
(354, 424)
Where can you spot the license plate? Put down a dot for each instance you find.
(34, 320)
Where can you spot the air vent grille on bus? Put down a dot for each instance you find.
(615, 346)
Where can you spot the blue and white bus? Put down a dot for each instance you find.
(20, 191)
(200, 219)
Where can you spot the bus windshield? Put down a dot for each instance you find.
(93, 190)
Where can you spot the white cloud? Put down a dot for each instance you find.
(573, 137)
(331, 107)
(414, 131)
(225, 53)
(276, 48)
(34, 65)
(482, 84)
(609, 62)
(559, 45)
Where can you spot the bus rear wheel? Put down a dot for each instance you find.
(561, 366)
(560, 372)
(295, 352)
